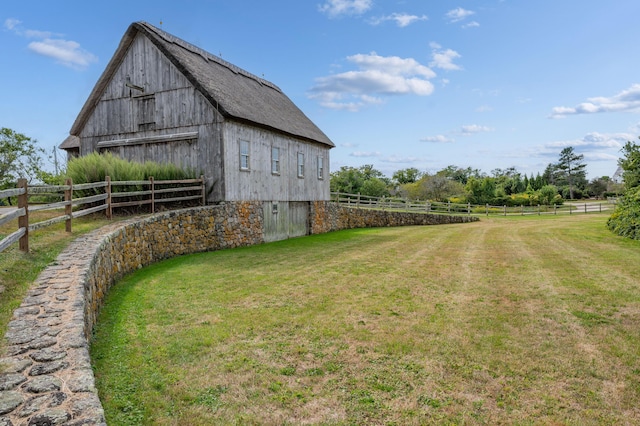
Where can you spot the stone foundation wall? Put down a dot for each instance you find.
(46, 376)
(326, 216)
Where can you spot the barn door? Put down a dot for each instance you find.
(298, 219)
(284, 220)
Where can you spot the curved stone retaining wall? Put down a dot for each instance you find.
(46, 376)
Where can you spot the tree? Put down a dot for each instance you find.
(625, 220)
(20, 157)
(459, 174)
(548, 195)
(375, 187)
(598, 186)
(440, 188)
(364, 180)
(570, 169)
(630, 165)
(409, 175)
(348, 180)
(481, 190)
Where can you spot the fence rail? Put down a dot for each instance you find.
(86, 201)
(390, 203)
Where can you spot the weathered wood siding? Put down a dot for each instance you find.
(167, 105)
(259, 183)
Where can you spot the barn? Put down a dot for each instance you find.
(163, 99)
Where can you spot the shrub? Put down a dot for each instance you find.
(625, 220)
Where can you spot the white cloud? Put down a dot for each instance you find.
(65, 52)
(401, 19)
(376, 76)
(472, 129)
(592, 141)
(626, 101)
(458, 14)
(394, 159)
(349, 145)
(443, 58)
(595, 146)
(484, 108)
(437, 139)
(365, 154)
(335, 8)
(40, 34)
(11, 23)
(472, 24)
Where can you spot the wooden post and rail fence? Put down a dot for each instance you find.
(107, 196)
(117, 195)
(447, 207)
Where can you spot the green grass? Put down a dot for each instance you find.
(520, 320)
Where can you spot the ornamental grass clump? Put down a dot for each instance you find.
(96, 167)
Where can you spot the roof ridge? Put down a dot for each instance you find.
(169, 38)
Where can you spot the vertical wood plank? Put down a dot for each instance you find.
(23, 221)
(108, 189)
(68, 208)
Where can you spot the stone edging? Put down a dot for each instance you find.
(46, 376)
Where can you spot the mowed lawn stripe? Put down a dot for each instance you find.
(508, 320)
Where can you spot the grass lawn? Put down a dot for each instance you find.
(519, 320)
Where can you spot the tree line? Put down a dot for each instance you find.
(562, 180)
(20, 157)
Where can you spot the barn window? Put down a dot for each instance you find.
(146, 114)
(244, 155)
(275, 160)
(300, 165)
(320, 167)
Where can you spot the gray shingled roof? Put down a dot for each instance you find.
(236, 93)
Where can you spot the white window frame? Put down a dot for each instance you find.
(275, 160)
(245, 155)
(300, 164)
(320, 164)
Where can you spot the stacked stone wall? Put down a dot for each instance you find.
(327, 216)
(46, 376)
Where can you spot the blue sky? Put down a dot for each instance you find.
(394, 83)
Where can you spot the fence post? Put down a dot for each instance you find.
(23, 221)
(522, 209)
(555, 208)
(505, 209)
(358, 201)
(109, 211)
(487, 209)
(585, 208)
(469, 209)
(538, 209)
(153, 195)
(449, 207)
(204, 191)
(600, 207)
(68, 208)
